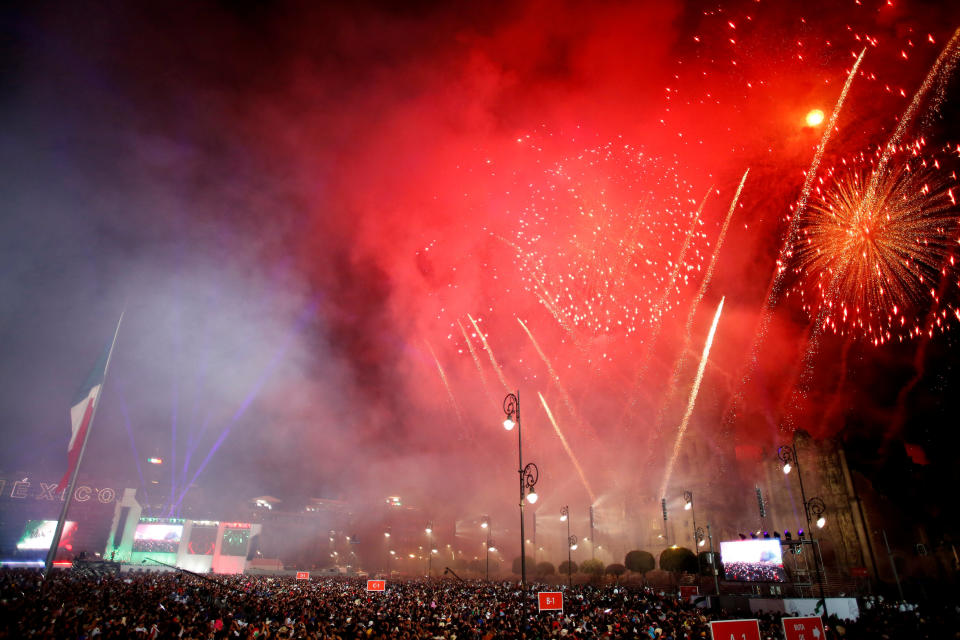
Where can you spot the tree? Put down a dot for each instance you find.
(640, 562)
(567, 568)
(544, 569)
(592, 567)
(531, 563)
(616, 569)
(678, 560)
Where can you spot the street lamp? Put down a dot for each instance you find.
(688, 506)
(386, 535)
(713, 562)
(571, 542)
(788, 455)
(701, 538)
(529, 474)
(485, 524)
(429, 531)
(816, 507)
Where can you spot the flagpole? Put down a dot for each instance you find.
(68, 497)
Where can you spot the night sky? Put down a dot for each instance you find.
(340, 234)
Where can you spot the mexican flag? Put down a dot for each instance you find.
(81, 413)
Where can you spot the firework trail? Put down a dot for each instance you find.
(566, 447)
(942, 67)
(476, 361)
(692, 400)
(682, 358)
(446, 384)
(556, 380)
(493, 360)
(659, 306)
(776, 282)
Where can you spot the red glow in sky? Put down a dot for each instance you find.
(431, 175)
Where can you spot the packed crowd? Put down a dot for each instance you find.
(156, 546)
(72, 604)
(754, 571)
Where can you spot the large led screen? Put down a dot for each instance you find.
(38, 534)
(157, 537)
(753, 560)
(203, 540)
(235, 542)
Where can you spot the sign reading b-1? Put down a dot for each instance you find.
(550, 600)
(803, 628)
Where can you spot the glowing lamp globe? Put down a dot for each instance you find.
(509, 424)
(787, 468)
(563, 518)
(814, 117)
(494, 549)
(688, 506)
(821, 521)
(702, 542)
(386, 534)
(483, 525)
(428, 530)
(532, 497)
(573, 547)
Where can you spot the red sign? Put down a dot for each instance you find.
(550, 600)
(303, 575)
(735, 630)
(858, 572)
(809, 628)
(687, 590)
(376, 585)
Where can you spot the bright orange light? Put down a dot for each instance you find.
(814, 117)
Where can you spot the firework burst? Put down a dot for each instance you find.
(600, 238)
(873, 247)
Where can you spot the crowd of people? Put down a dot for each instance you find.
(754, 571)
(156, 546)
(83, 605)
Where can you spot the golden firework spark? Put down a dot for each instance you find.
(872, 248)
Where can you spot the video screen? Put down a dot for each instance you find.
(235, 542)
(38, 534)
(203, 540)
(753, 560)
(157, 537)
